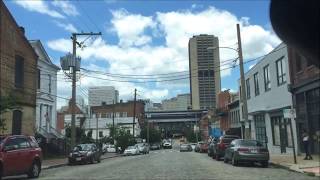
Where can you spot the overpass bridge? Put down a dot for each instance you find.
(174, 122)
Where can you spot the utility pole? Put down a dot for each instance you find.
(113, 130)
(242, 84)
(74, 77)
(148, 135)
(134, 111)
(97, 129)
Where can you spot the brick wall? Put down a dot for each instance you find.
(306, 71)
(12, 43)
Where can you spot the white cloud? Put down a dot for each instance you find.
(40, 7)
(135, 50)
(130, 28)
(68, 27)
(66, 6)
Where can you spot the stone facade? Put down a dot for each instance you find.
(305, 88)
(18, 67)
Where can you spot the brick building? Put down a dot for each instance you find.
(18, 67)
(223, 110)
(305, 88)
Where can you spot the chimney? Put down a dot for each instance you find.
(22, 30)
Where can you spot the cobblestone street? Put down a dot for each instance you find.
(168, 164)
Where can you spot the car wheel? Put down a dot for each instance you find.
(234, 161)
(99, 159)
(35, 170)
(217, 157)
(265, 164)
(225, 160)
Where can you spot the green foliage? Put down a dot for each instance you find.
(154, 134)
(81, 136)
(123, 138)
(7, 103)
(192, 136)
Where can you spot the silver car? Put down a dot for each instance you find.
(185, 147)
(243, 150)
(143, 148)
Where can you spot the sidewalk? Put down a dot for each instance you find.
(311, 167)
(54, 163)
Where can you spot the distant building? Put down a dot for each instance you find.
(305, 88)
(123, 116)
(267, 97)
(46, 116)
(18, 75)
(204, 69)
(179, 103)
(99, 95)
(151, 106)
(234, 116)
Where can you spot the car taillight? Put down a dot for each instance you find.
(243, 150)
(222, 146)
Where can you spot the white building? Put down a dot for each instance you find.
(103, 125)
(103, 94)
(179, 103)
(46, 118)
(267, 97)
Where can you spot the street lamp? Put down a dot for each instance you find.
(243, 94)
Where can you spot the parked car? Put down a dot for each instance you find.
(20, 154)
(185, 147)
(221, 145)
(197, 147)
(242, 150)
(84, 153)
(131, 150)
(143, 148)
(211, 146)
(193, 145)
(155, 146)
(204, 147)
(111, 148)
(167, 144)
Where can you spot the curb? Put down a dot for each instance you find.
(65, 164)
(289, 169)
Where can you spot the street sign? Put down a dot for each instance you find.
(289, 113)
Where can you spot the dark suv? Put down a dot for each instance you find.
(220, 147)
(19, 154)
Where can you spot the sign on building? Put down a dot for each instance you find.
(289, 113)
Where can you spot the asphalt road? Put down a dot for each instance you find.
(169, 164)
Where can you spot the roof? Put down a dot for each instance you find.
(47, 58)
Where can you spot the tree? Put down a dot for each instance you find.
(192, 136)
(154, 135)
(7, 103)
(123, 138)
(81, 136)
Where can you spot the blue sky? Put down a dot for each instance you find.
(144, 37)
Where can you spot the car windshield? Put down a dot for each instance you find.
(249, 143)
(83, 147)
(156, 77)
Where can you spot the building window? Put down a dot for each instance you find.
(281, 133)
(49, 83)
(281, 71)
(256, 84)
(39, 77)
(248, 88)
(104, 115)
(267, 83)
(16, 122)
(298, 62)
(260, 126)
(100, 133)
(19, 72)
